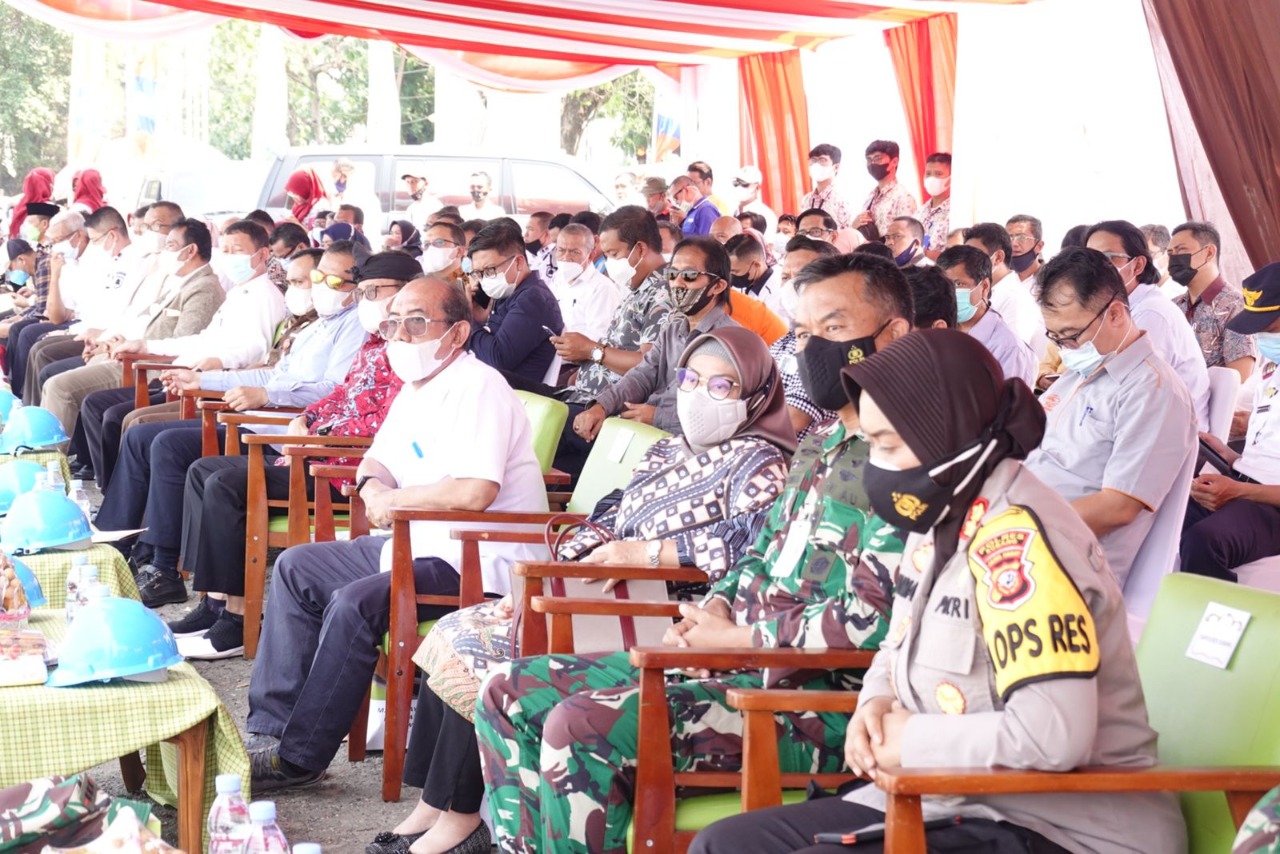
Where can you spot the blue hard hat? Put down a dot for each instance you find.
(114, 638)
(43, 519)
(31, 427)
(30, 584)
(17, 477)
(7, 399)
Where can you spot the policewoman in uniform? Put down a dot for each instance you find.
(1008, 642)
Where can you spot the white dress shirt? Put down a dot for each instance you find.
(1014, 355)
(588, 303)
(1011, 297)
(1260, 459)
(241, 332)
(1175, 342)
(100, 290)
(491, 210)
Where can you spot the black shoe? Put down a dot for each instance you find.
(197, 621)
(477, 843)
(258, 741)
(162, 587)
(83, 471)
(224, 639)
(387, 842)
(269, 772)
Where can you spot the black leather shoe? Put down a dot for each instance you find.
(162, 588)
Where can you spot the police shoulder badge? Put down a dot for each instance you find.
(1035, 622)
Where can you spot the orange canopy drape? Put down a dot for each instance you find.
(774, 129)
(924, 59)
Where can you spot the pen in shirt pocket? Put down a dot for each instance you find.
(417, 450)
(1088, 410)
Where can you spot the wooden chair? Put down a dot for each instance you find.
(1219, 729)
(134, 369)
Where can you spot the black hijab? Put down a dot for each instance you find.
(410, 238)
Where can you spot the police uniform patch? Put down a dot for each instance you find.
(977, 510)
(1035, 623)
(949, 698)
(1268, 369)
(922, 557)
(1270, 391)
(1049, 401)
(900, 630)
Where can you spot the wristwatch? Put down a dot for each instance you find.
(597, 355)
(362, 481)
(654, 551)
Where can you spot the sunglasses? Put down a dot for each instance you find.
(415, 326)
(329, 280)
(719, 387)
(687, 276)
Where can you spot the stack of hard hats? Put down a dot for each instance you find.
(115, 638)
(16, 478)
(7, 400)
(31, 428)
(44, 519)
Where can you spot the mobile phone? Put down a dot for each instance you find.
(550, 333)
(481, 299)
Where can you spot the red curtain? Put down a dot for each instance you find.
(774, 125)
(924, 59)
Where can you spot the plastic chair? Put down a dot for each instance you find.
(1224, 386)
(547, 417)
(1263, 574)
(1158, 555)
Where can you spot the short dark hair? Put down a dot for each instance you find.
(942, 157)
(1134, 243)
(196, 233)
(590, 219)
(791, 218)
(343, 247)
(475, 226)
(886, 287)
(261, 217)
(543, 217)
(633, 225)
(1157, 235)
(702, 169)
(456, 234)
(882, 146)
(1075, 236)
(992, 236)
(913, 225)
(104, 219)
(754, 220)
(254, 231)
(821, 248)
(743, 246)
(455, 307)
(1204, 233)
(828, 221)
(976, 263)
(876, 248)
(560, 220)
(140, 212)
(933, 297)
(358, 219)
(291, 233)
(668, 226)
(826, 149)
(715, 260)
(173, 207)
(1088, 272)
(313, 254)
(1037, 229)
(497, 237)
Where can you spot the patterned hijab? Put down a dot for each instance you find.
(767, 415)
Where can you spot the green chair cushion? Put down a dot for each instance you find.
(693, 814)
(379, 691)
(278, 523)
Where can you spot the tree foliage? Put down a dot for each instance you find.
(628, 98)
(417, 82)
(35, 70)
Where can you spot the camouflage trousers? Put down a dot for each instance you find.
(558, 745)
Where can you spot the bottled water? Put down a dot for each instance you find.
(228, 817)
(265, 836)
(79, 576)
(81, 498)
(54, 477)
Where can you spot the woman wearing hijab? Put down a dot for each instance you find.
(337, 231)
(405, 237)
(36, 187)
(302, 191)
(697, 500)
(1008, 645)
(87, 193)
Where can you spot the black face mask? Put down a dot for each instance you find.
(821, 361)
(879, 171)
(477, 195)
(911, 500)
(1022, 263)
(533, 247)
(1180, 269)
(748, 285)
(689, 301)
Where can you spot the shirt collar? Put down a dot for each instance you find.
(1210, 293)
(1123, 363)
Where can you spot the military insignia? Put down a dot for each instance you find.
(973, 518)
(1251, 297)
(1268, 369)
(1008, 571)
(1049, 401)
(922, 557)
(856, 355)
(1270, 392)
(949, 698)
(908, 505)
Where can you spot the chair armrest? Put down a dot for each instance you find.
(789, 700)
(574, 569)
(1008, 781)
(225, 416)
(555, 477)
(711, 658)
(153, 363)
(343, 442)
(415, 514)
(603, 607)
(209, 404)
(306, 451)
(202, 394)
(471, 535)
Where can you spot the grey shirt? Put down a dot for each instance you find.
(1014, 355)
(653, 380)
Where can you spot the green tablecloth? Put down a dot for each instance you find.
(49, 731)
(43, 458)
(50, 569)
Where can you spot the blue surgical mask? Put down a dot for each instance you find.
(239, 268)
(1084, 360)
(904, 257)
(18, 277)
(965, 309)
(1269, 345)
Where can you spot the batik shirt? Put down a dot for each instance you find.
(1208, 318)
(711, 504)
(831, 201)
(639, 318)
(936, 220)
(889, 203)
(822, 571)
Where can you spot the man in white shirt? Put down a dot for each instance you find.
(456, 438)
(1026, 235)
(588, 299)
(481, 206)
(905, 238)
(824, 167)
(746, 186)
(1009, 296)
(751, 274)
(935, 212)
(422, 204)
(969, 269)
(1153, 312)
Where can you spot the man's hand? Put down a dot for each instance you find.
(135, 345)
(674, 636)
(864, 218)
(213, 363)
(573, 346)
(56, 262)
(298, 427)
(378, 501)
(26, 291)
(641, 412)
(179, 380)
(244, 397)
(587, 424)
(713, 629)
(1212, 491)
(865, 738)
(1220, 447)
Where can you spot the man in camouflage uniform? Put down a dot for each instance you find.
(1260, 833)
(558, 733)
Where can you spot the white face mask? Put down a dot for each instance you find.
(743, 194)
(168, 264)
(327, 301)
(706, 422)
(790, 299)
(412, 362)
(298, 300)
(621, 270)
(569, 271)
(371, 313)
(151, 243)
(436, 258)
(935, 186)
(819, 173)
(67, 250)
(497, 286)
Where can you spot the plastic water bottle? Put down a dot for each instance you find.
(75, 579)
(265, 836)
(81, 498)
(54, 477)
(228, 817)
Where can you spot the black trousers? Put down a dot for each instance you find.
(102, 415)
(791, 829)
(15, 336)
(1239, 532)
(25, 339)
(443, 757)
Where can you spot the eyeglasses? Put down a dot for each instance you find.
(1024, 238)
(738, 182)
(497, 269)
(370, 292)
(687, 276)
(1118, 258)
(440, 243)
(719, 387)
(1071, 342)
(415, 326)
(816, 233)
(329, 280)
